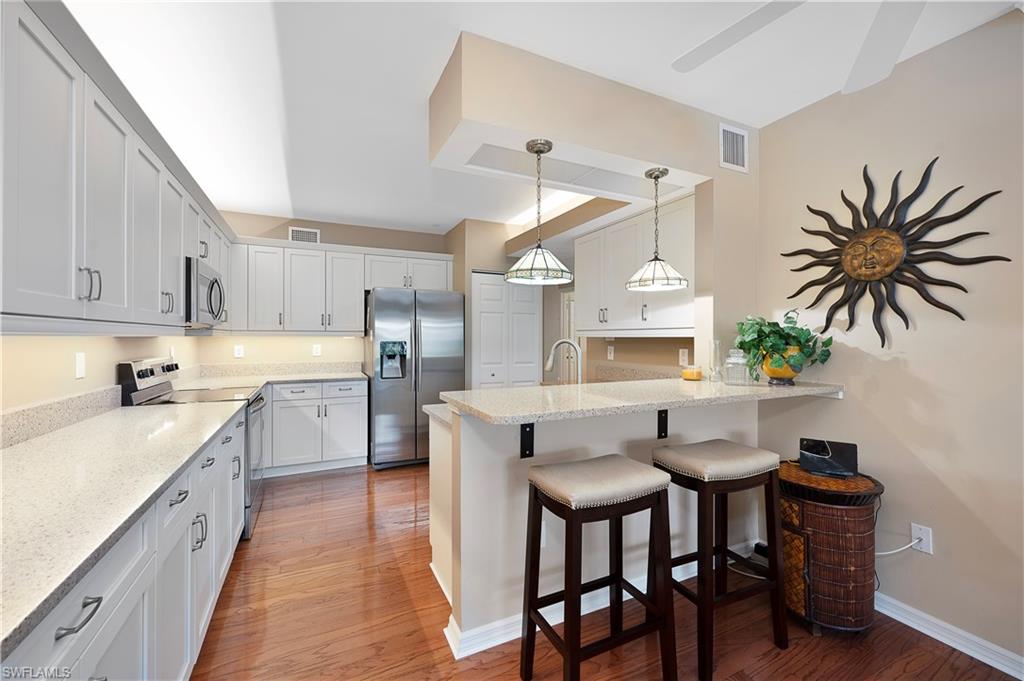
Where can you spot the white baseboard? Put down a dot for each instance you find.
(477, 639)
(967, 643)
(440, 583)
(315, 467)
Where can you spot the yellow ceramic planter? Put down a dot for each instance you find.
(784, 375)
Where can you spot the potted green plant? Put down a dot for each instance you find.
(780, 350)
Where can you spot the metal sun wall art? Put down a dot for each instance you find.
(880, 251)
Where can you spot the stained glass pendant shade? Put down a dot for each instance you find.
(539, 266)
(656, 274)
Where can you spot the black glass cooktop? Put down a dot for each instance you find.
(217, 395)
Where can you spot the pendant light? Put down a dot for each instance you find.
(656, 274)
(539, 266)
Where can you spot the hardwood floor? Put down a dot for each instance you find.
(335, 584)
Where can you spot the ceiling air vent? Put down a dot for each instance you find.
(732, 143)
(304, 234)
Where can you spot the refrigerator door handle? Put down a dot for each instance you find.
(418, 375)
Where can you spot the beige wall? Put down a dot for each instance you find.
(42, 368)
(662, 352)
(273, 227)
(220, 349)
(937, 415)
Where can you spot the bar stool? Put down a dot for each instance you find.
(604, 488)
(714, 469)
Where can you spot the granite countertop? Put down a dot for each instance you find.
(441, 412)
(69, 495)
(561, 402)
(215, 382)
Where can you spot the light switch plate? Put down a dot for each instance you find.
(684, 357)
(239, 351)
(79, 365)
(611, 352)
(317, 350)
(925, 534)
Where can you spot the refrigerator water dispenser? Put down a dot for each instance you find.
(392, 359)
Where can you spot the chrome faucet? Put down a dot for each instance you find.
(579, 357)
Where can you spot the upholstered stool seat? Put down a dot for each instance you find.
(601, 481)
(716, 460)
(606, 488)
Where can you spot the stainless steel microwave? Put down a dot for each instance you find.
(204, 291)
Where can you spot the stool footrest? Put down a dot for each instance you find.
(744, 592)
(690, 594)
(615, 640)
(548, 630)
(640, 596)
(585, 588)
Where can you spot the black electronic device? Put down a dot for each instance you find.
(828, 457)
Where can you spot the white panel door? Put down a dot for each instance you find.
(44, 93)
(525, 312)
(219, 250)
(428, 274)
(621, 260)
(107, 228)
(172, 244)
(297, 432)
(123, 648)
(671, 309)
(386, 271)
(304, 290)
(191, 229)
(149, 303)
(237, 495)
(204, 561)
(266, 288)
(238, 287)
(220, 529)
(345, 299)
(172, 656)
(205, 238)
(588, 280)
(489, 352)
(345, 421)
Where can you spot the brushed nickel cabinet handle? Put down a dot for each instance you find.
(87, 602)
(198, 542)
(88, 271)
(210, 460)
(182, 496)
(643, 312)
(226, 439)
(318, 411)
(238, 460)
(99, 276)
(240, 424)
(329, 322)
(322, 320)
(280, 318)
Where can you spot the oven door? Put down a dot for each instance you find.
(206, 296)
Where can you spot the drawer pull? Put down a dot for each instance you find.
(240, 424)
(344, 390)
(226, 439)
(209, 462)
(182, 496)
(238, 460)
(87, 602)
(297, 392)
(97, 678)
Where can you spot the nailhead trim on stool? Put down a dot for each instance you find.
(716, 460)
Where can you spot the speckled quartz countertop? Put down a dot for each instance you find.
(441, 412)
(562, 402)
(214, 382)
(69, 495)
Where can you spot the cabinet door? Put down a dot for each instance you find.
(173, 603)
(149, 303)
(218, 250)
(191, 229)
(205, 238)
(621, 259)
(588, 281)
(345, 422)
(237, 494)
(266, 288)
(124, 647)
(304, 290)
(204, 562)
(172, 244)
(223, 541)
(297, 437)
(44, 93)
(107, 229)
(671, 309)
(238, 287)
(428, 274)
(345, 299)
(386, 271)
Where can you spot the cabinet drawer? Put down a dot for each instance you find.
(297, 391)
(345, 389)
(80, 615)
(174, 503)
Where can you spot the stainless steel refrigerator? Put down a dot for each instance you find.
(414, 352)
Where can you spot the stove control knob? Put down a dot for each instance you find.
(150, 372)
(141, 373)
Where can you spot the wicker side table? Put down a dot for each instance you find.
(828, 533)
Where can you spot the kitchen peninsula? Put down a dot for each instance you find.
(481, 454)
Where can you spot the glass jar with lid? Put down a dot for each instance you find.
(736, 368)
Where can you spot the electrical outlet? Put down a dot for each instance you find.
(543, 533)
(684, 357)
(317, 350)
(611, 352)
(79, 365)
(925, 534)
(239, 351)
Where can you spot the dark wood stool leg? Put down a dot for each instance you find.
(652, 565)
(663, 588)
(531, 585)
(721, 542)
(573, 584)
(773, 520)
(705, 583)
(615, 571)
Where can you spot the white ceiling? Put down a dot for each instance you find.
(319, 110)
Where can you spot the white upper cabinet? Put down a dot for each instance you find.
(205, 237)
(149, 302)
(107, 228)
(191, 229)
(304, 290)
(589, 281)
(219, 258)
(428, 274)
(172, 255)
(238, 287)
(44, 92)
(266, 288)
(386, 271)
(345, 298)
(621, 259)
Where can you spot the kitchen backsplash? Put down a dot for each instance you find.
(277, 368)
(35, 420)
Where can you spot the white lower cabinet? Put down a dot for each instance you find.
(172, 659)
(296, 431)
(204, 563)
(344, 428)
(314, 423)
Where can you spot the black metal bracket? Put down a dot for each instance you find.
(662, 424)
(526, 440)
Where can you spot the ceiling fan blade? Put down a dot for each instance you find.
(883, 44)
(742, 29)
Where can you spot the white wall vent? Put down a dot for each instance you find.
(732, 145)
(304, 234)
